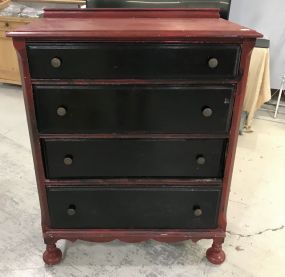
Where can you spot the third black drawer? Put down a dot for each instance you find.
(129, 108)
(134, 158)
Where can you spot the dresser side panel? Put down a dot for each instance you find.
(20, 45)
(247, 48)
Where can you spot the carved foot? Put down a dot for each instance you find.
(215, 254)
(52, 255)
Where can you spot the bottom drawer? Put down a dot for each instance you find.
(134, 208)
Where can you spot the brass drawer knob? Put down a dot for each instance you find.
(71, 210)
(55, 62)
(207, 112)
(213, 63)
(198, 211)
(201, 160)
(68, 160)
(61, 111)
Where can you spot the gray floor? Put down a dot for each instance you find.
(256, 238)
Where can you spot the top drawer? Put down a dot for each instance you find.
(132, 61)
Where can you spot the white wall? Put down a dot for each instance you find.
(268, 18)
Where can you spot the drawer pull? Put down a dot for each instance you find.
(71, 210)
(7, 24)
(55, 62)
(61, 111)
(213, 63)
(68, 160)
(201, 160)
(197, 211)
(207, 112)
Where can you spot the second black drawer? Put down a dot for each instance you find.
(134, 158)
(129, 108)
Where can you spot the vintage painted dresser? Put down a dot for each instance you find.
(133, 119)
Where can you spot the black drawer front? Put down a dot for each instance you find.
(125, 108)
(88, 158)
(132, 61)
(134, 208)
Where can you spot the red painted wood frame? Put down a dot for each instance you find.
(53, 255)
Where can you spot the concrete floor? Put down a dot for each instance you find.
(256, 231)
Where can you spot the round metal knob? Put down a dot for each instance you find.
(61, 111)
(55, 62)
(201, 160)
(213, 63)
(207, 112)
(198, 212)
(71, 210)
(68, 160)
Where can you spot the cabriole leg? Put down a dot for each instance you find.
(215, 253)
(52, 255)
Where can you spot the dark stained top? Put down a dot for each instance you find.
(133, 24)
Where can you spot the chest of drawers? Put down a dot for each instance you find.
(133, 118)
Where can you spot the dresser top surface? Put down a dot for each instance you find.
(133, 24)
